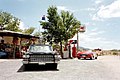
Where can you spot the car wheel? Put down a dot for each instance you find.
(51, 66)
(78, 58)
(95, 57)
(92, 58)
(55, 66)
(84, 58)
(25, 66)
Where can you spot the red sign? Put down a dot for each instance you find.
(82, 28)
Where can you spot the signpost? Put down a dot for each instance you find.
(81, 30)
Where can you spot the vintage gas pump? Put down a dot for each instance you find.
(74, 50)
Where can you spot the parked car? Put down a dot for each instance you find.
(41, 54)
(3, 55)
(87, 54)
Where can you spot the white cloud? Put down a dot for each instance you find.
(22, 26)
(91, 9)
(93, 39)
(64, 8)
(94, 33)
(87, 9)
(89, 24)
(96, 17)
(95, 29)
(109, 11)
(98, 1)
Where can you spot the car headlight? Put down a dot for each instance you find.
(26, 56)
(57, 56)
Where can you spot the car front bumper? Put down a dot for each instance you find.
(39, 63)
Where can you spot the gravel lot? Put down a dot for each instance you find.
(104, 68)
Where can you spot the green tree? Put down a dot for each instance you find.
(60, 27)
(9, 22)
(70, 25)
(37, 34)
(51, 25)
(29, 30)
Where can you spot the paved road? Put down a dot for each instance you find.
(104, 68)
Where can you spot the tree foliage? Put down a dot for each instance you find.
(9, 22)
(70, 25)
(60, 27)
(29, 30)
(37, 34)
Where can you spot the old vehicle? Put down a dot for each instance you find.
(87, 54)
(41, 55)
(3, 54)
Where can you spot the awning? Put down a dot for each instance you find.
(15, 34)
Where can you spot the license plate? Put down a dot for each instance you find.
(41, 63)
(83, 56)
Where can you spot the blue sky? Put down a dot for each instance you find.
(101, 18)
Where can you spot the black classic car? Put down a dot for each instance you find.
(41, 55)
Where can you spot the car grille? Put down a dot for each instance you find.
(83, 54)
(41, 58)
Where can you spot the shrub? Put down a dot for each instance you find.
(115, 53)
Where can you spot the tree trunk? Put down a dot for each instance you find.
(61, 49)
(69, 51)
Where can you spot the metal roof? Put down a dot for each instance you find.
(16, 34)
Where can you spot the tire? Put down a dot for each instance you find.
(95, 57)
(55, 66)
(51, 66)
(92, 58)
(78, 58)
(25, 66)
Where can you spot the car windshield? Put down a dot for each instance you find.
(40, 48)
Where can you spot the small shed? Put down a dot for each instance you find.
(15, 40)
